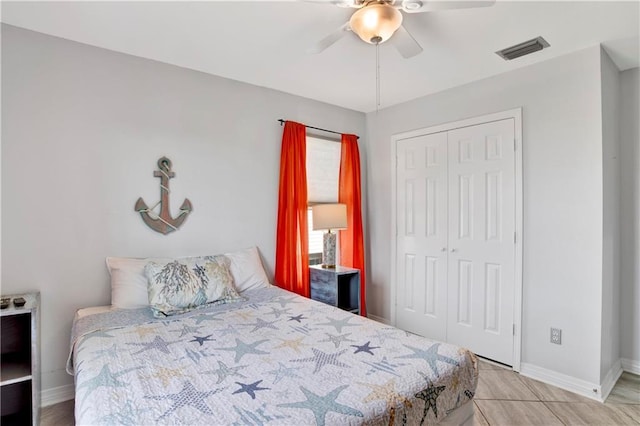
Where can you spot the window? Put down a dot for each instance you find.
(315, 242)
(323, 170)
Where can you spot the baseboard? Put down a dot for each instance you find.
(562, 381)
(631, 365)
(379, 319)
(56, 395)
(610, 379)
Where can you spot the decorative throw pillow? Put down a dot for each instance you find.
(181, 285)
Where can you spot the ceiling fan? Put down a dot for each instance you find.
(376, 21)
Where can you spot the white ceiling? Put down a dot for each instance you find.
(265, 42)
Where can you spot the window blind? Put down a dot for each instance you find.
(323, 170)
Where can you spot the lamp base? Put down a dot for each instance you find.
(329, 250)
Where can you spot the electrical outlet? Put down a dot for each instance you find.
(556, 336)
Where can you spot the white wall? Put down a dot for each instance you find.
(610, 328)
(630, 215)
(82, 131)
(563, 190)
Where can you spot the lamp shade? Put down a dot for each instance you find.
(376, 22)
(329, 216)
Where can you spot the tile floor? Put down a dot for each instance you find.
(506, 398)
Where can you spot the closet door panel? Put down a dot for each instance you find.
(421, 235)
(481, 238)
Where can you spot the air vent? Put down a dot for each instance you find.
(522, 49)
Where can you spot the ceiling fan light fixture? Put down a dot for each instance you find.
(376, 23)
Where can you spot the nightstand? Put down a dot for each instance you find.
(19, 362)
(337, 286)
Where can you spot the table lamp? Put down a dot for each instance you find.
(329, 217)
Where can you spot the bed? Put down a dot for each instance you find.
(271, 358)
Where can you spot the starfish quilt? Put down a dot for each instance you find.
(273, 359)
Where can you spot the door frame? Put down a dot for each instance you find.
(516, 115)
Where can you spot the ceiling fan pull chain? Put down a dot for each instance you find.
(377, 77)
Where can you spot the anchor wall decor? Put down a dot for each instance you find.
(163, 222)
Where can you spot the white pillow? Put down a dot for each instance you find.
(246, 268)
(128, 281)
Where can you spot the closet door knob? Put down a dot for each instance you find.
(453, 250)
(443, 249)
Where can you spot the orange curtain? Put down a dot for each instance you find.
(349, 193)
(292, 249)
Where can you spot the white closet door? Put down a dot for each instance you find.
(421, 235)
(481, 239)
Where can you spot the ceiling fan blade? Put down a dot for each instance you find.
(356, 4)
(330, 39)
(420, 6)
(405, 43)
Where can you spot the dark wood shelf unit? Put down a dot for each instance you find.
(19, 362)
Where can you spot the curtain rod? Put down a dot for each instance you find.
(316, 128)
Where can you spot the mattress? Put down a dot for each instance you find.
(276, 358)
